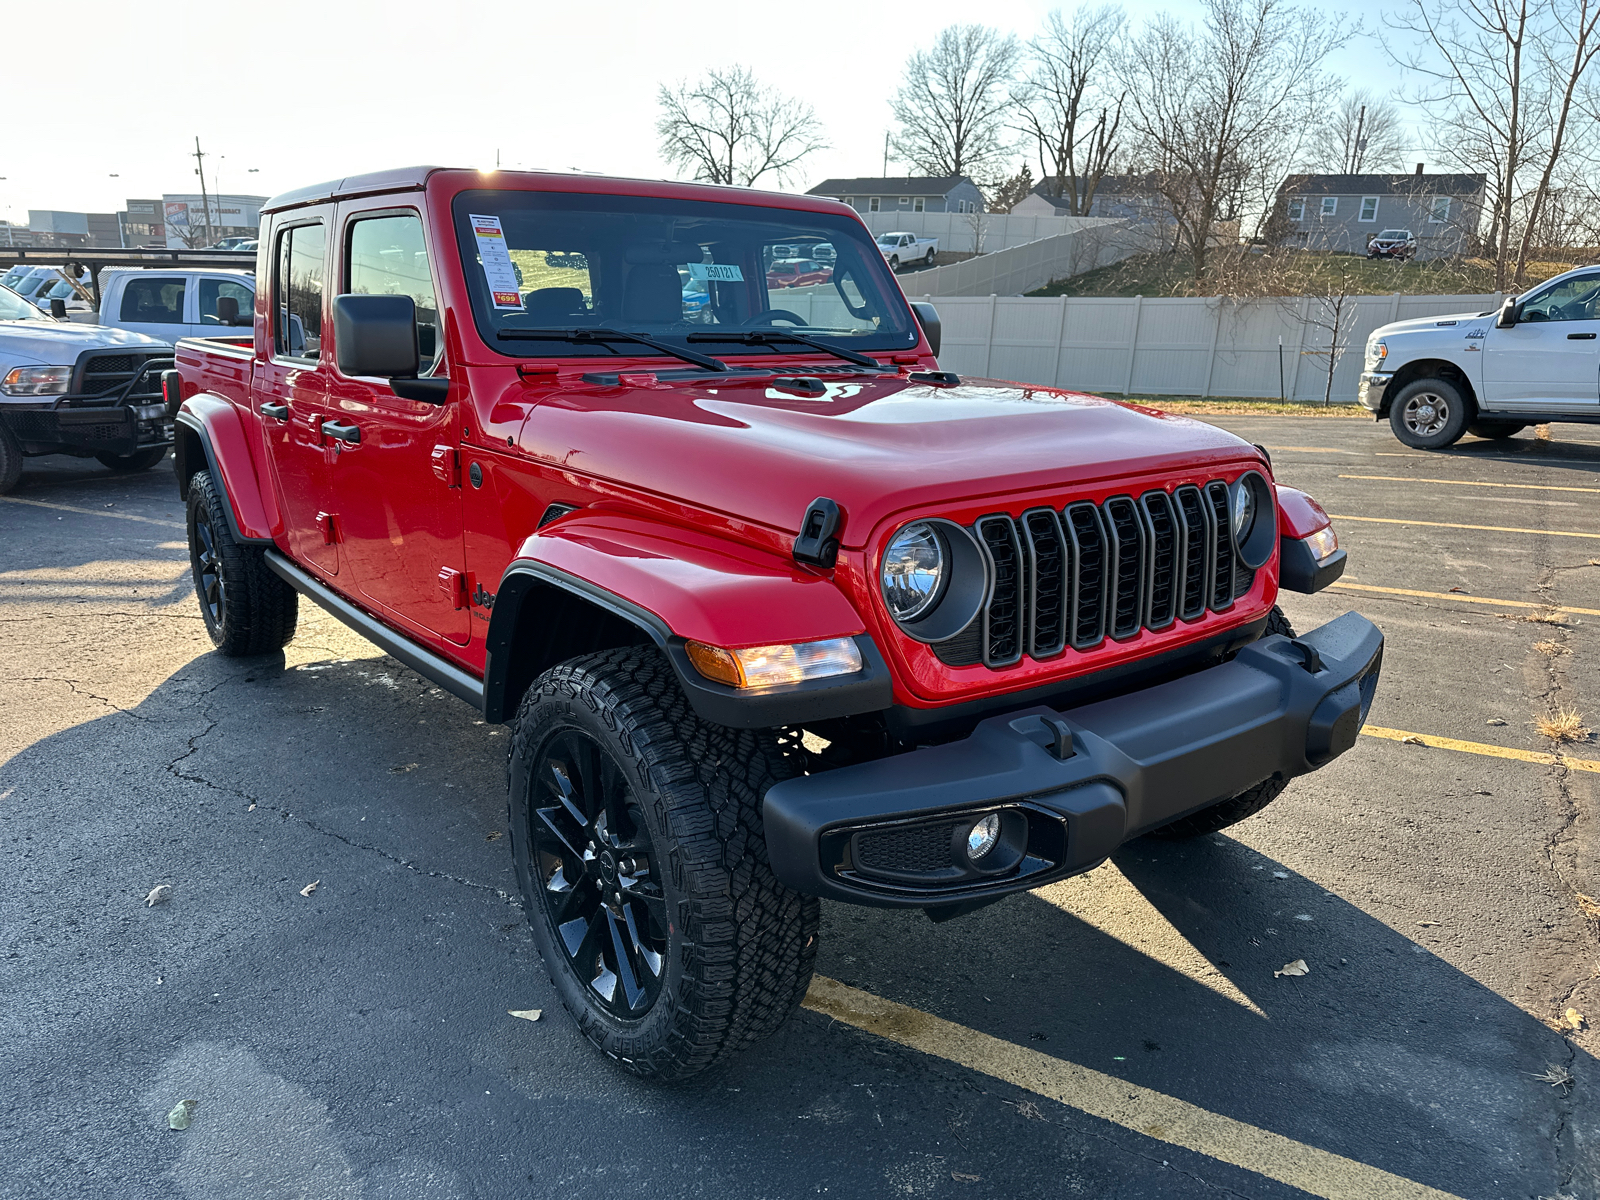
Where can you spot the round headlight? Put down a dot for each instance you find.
(913, 571)
(1244, 513)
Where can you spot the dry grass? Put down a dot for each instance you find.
(1565, 725)
(1542, 616)
(1557, 1076)
(1588, 906)
(1243, 407)
(1541, 432)
(1551, 649)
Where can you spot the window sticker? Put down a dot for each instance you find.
(498, 271)
(721, 272)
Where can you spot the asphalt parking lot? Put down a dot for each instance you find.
(1122, 1034)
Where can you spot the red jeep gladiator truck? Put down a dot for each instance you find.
(776, 608)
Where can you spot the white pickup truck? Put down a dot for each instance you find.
(903, 249)
(175, 304)
(1491, 374)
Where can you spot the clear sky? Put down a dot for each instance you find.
(300, 91)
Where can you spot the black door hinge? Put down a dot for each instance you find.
(818, 542)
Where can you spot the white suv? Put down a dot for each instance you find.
(1492, 374)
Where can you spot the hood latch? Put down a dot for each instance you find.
(818, 542)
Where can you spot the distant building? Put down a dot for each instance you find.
(1131, 197)
(143, 224)
(190, 225)
(15, 235)
(1343, 212)
(953, 193)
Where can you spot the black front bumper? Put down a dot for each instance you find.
(122, 429)
(1071, 787)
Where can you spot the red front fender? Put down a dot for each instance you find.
(696, 585)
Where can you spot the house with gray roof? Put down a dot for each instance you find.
(1343, 213)
(951, 193)
(1130, 197)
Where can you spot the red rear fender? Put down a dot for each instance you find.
(210, 434)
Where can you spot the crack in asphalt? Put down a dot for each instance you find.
(72, 686)
(193, 744)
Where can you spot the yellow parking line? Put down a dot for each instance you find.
(1341, 585)
(1484, 748)
(1527, 487)
(92, 512)
(1143, 1110)
(1448, 525)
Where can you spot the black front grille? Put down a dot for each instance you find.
(1075, 577)
(103, 374)
(915, 849)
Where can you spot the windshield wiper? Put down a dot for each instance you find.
(580, 336)
(766, 337)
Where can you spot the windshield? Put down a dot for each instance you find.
(1394, 234)
(672, 270)
(14, 308)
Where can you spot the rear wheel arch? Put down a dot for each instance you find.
(1428, 368)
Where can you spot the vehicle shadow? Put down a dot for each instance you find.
(382, 993)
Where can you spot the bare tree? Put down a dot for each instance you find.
(1066, 105)
(1221, 112)
(1504, 77)
(953, 104)
(1365, 134)
(730, 128)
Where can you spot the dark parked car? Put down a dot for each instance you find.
(1393, 243)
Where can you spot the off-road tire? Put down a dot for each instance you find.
(739, 946)
(128, 464)
(1248, 802)
(10, 460)
(1496, 429)
(1430, 414)
(252, 611)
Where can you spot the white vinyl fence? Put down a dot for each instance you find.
(959, 231)
(1020, 269)
(1179, 346)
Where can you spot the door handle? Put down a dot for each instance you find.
(1580, 337)
(280, 411)
(344, 433)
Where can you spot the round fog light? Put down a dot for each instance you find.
(985, 832)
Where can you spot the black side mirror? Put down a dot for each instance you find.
(928, 318)
(377, 335)
(1510, 314)
(228, 310)
(58, 309)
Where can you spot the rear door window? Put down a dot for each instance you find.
(297, 291)
(153, 300)
(212, 290)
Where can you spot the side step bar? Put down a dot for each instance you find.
(424, 662)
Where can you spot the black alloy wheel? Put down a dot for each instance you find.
(598, 876)
(207, 561)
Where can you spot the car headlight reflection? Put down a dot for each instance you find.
(1244, 513)
(36, 381)
(913, 571)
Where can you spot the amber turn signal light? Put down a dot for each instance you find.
(765, 666)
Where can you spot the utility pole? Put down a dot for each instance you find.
(1356, 146)
(886, 154)
(205, 201)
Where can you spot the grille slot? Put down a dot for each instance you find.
(1072, 578)
(1163, 580)
(1198, 550)
(1088, 593)
(1126, 606)
(1047, 581)
(1221, 597)
(1002, 620)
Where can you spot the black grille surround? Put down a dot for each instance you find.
(1071, 578)
(104, 376)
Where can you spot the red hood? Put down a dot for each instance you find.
(876, 446)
